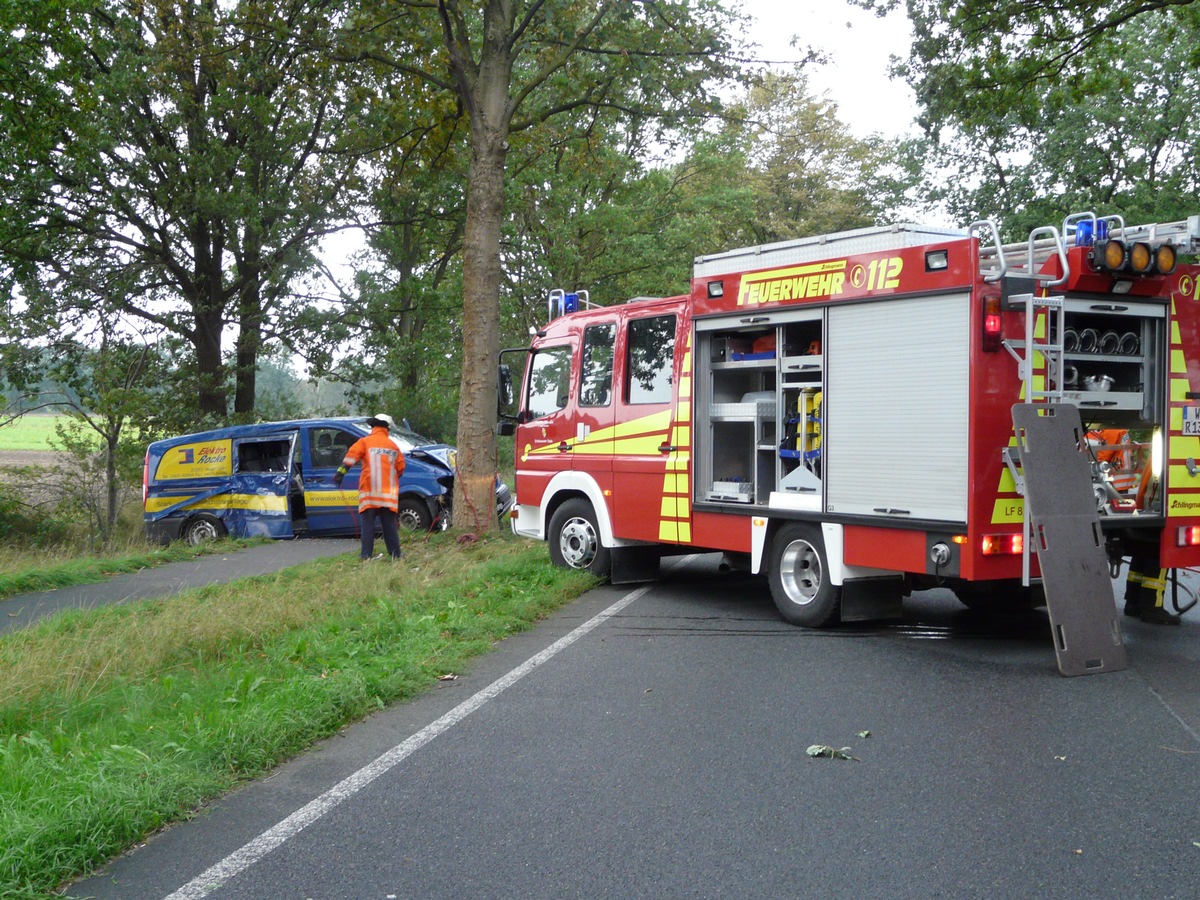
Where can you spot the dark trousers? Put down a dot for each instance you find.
(387, 524)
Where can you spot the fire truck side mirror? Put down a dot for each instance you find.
(504, 396)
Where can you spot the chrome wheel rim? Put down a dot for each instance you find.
(578, 543)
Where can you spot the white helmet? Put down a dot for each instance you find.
(381, 419)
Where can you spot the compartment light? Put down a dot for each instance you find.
(716, 290)
(937, 260)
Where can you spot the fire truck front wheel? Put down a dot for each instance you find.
(799, 575)
(575, 539)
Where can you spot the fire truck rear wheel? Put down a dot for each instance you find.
(575, 539)
(202, 529)
(799, 575)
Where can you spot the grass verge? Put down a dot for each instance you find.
(119, 720)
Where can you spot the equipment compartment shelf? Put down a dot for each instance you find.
(742, 412)
(1105, 399)
(766, 363)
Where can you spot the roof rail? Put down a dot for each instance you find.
(1078, 229)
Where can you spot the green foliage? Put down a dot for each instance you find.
(175, 163)
(24, 525)
(1079, 108)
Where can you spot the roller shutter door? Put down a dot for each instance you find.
(896, 418)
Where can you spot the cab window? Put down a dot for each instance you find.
(549, 381)
(595, 388)
(650, 358)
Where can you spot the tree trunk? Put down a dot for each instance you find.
(249, 342)
(475, 500)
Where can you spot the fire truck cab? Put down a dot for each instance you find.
(837, 412)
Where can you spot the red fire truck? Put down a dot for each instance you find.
(837, 412)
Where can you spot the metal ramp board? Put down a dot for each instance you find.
(1064, 527)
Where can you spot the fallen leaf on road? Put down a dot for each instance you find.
(864, 734)
(448, 677)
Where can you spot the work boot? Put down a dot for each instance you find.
(1133, 608)
(1156, 615)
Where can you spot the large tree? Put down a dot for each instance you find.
(181, 158)
(513, 65)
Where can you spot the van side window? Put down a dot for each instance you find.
(595, 388)
(328, 446)
(264, 456)
(549, 381)
(650, 360)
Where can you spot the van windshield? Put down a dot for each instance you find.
(405, 437)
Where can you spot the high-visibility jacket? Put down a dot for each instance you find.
(382, 465)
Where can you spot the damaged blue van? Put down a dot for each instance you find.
(275, 479)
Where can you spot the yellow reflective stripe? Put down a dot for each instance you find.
(258, 502)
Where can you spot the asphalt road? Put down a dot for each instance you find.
(219, 568)
(662, 753)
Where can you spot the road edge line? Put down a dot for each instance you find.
(240, 860)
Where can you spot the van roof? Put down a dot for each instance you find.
(259, 428)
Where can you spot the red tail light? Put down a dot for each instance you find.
(993, 332)
(1003, 544)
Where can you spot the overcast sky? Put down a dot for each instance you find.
(858, 42)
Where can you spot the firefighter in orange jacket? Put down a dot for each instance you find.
(378, 485)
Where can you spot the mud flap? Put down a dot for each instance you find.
(1065, 531)
(872, 599)
(634, 564)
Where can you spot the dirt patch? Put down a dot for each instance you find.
(46, 485)
(46, 458)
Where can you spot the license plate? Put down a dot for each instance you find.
(1191, 420)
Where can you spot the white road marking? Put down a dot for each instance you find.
(240, 860)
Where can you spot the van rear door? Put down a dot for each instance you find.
(259, 502)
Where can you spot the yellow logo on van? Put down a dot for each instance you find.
(209, 459)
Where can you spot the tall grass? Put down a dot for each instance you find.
(116, 721)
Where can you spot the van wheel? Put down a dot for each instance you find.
(203, 529)
(799, 575)
(413, 514)
(575, 539)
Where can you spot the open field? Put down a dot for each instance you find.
(32, 432)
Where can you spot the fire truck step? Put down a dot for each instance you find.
(1064, 528)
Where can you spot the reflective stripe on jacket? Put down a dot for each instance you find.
(382, 464)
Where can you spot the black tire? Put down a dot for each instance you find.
(202, 529)
(413, 515)
(574, 539)
(799, 576)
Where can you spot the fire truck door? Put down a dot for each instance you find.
(645, 410)
(548, 438)
(595, 405)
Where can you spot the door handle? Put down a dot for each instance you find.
(564, 447)
(667, 448)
